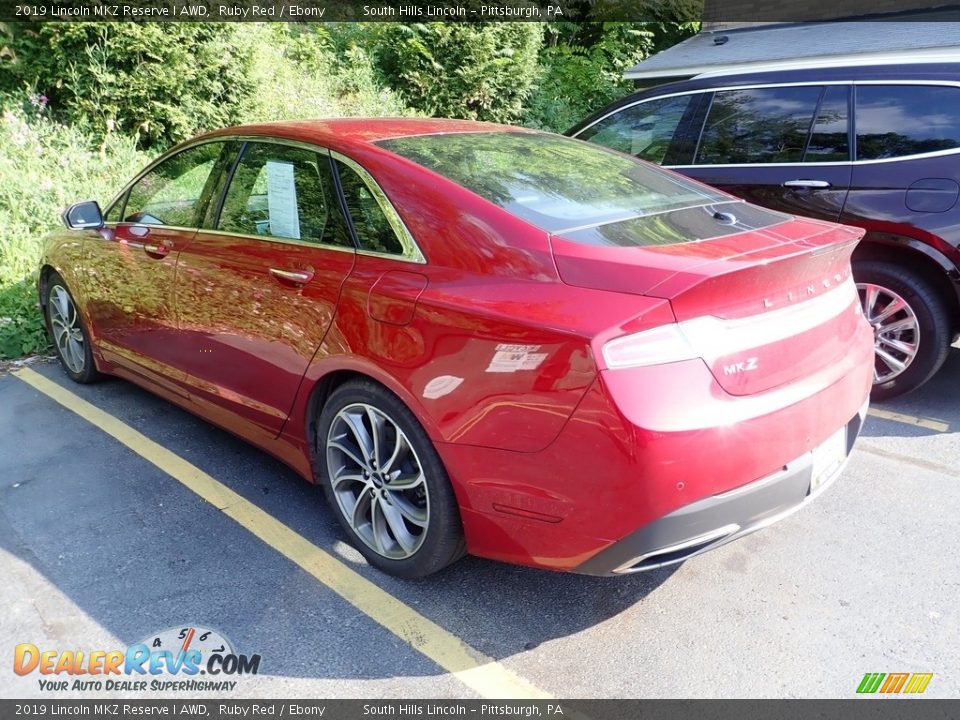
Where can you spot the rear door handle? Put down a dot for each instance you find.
(297, 277)
(807, 183)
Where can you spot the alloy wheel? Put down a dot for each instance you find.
(67, 333)
(378, 481)
(896, 330)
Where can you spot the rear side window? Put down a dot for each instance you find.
(761, 125)
(373, 228)
(551, 181)
(898, 120)
(645, 130)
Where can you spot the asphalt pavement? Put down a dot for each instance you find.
(102, 547)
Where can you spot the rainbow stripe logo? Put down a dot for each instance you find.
(893, 683)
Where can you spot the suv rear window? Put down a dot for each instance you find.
(646, 130)
(899, 120)
(551, 181)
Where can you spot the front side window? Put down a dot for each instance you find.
(645, 130)
(285, 193)
(113, 214)
(899, 120)
(175, 192)
(758, 125)
(551, 181)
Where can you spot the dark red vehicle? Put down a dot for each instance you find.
(478, 338)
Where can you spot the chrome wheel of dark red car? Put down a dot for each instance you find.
(69, 334)
(378, 481)
(384, 478)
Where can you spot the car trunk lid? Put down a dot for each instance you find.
(763, 299)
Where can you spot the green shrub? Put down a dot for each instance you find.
(299, 74)
(477, 72)
(160, 81)
(581, 67)
(44, 166)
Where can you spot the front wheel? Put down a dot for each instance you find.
(69, 333)
(386, 483)
(911, 326)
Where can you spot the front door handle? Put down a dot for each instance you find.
(297, 277)
(158, 250)
(806, 183)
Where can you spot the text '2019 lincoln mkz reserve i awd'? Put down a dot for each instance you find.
(478, 339)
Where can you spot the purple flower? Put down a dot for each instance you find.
(44, 99)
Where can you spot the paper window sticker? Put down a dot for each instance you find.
(282, 200)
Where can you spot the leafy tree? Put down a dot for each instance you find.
(160, 81)
(477, 72)
(582, 65)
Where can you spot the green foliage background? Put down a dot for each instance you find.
(84, 105)
(460, 70)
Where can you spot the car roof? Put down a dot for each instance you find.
(365, 131)
(940, 71)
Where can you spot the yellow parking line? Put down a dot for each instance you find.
(483, 674)
(909, 420)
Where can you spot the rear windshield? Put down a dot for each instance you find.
(551, 181)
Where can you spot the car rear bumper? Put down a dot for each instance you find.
(714, 521)
(645, 447)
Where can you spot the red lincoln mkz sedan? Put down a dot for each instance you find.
(478, 338)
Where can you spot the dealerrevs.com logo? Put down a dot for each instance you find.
(183, 653)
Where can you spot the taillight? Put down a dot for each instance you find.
(658, 346)
(712, 337)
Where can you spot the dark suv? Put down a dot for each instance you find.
(877, 147)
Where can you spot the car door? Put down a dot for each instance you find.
(130, 268)
(785, 148)
(907, 171)
(258, 286)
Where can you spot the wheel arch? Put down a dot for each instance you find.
(72, 282)
(43, 279)
(919, 257)
(317, 398)
(319, 385)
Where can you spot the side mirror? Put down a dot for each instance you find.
(81, 215)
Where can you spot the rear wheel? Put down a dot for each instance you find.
(911, 326)
(69, 333)
(386, 483)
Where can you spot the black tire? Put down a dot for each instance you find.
(441, 541)
(932, 319)
(79, 366)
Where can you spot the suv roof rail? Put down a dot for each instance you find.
(912, 57)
